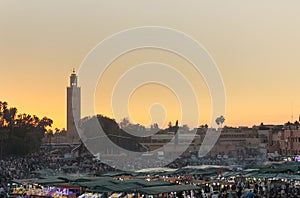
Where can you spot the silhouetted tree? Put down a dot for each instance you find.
(113, 132)
(296, 124)
(20, 133)
(220, 120)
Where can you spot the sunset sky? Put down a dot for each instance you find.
(256, 45)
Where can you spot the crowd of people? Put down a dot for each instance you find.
(26, 167)
(250, 188)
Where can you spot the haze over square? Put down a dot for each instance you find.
(255, 45)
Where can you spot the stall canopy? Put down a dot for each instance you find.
(165, 189)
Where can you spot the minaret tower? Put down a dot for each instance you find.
(73, 108)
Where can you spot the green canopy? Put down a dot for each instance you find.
(250, 174)
(270, 175)
(101, 189)
(165, 189)
(95, 183)
(69, 167)
(145, 183)
(52, 181)
(281, 169)
(230, 174)
(86, 165)
(119, 173)
(76, 179)
(106, 185)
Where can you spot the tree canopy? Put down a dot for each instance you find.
(20, 133)
(220, 120)
(112, 131)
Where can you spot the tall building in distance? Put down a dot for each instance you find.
(73, 108)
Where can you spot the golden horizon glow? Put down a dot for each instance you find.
(255, 45)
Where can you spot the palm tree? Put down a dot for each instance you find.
(296, 124)
(3, 107)
(220, 120)
(9, 117)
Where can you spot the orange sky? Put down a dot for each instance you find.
(255, 44)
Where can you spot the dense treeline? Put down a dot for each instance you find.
(126, 135)
(20, 134)
(112, 131)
